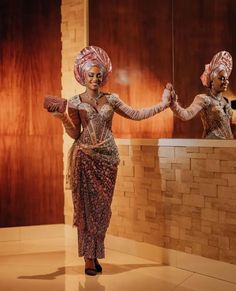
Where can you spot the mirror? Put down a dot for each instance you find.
(233, 104)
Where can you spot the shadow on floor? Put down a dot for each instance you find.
(108, 269)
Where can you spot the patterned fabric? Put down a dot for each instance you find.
(221, 61)
(215, 114)
(93, 164)
(88, 57)
(92, 197)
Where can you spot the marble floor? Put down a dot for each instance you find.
(29, 266)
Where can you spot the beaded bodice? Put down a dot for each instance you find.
(97, 122)
(215, 114)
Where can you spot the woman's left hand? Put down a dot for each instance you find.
(173, 95)
(167, 94)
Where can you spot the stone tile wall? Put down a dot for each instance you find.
(181, 198)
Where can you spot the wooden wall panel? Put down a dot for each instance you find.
(137, 36)
(31, 165)
(142, 36)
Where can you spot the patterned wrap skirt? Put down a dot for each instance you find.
(92, 172)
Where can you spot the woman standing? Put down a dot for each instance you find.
(214, 108)
(94, 156)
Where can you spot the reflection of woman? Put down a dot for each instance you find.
(94, 156)
(213, 107)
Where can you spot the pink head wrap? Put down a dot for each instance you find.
(221, 61)
(88, 57)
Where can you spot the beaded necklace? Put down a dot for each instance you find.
(94, 98)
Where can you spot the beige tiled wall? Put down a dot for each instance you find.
(137, 204)
(74, 37)
(178, 197)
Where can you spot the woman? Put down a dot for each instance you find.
(94, 156)
(214, 108)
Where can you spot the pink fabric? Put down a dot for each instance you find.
(223, 61)
(91, 56)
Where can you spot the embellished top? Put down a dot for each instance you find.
(92, 126)
(215, 114)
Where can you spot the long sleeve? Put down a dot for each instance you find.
(199, 102)
(137, 114)
(73, 130)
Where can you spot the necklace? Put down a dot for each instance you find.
(94, 99)
(218, 98)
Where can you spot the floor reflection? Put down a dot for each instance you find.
(91, 283)
(62, 270)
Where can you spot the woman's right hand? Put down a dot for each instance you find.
(53, 110)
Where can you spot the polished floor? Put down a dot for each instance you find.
(29, 266)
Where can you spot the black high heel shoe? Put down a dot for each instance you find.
(98, 267)
(90, 271)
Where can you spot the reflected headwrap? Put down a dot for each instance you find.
(221, 61)
(88, 57)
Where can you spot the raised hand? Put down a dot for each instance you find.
(169, 86)
(173, 95)
(167, 94)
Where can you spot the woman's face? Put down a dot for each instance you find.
(220, 82)
(93, 78)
